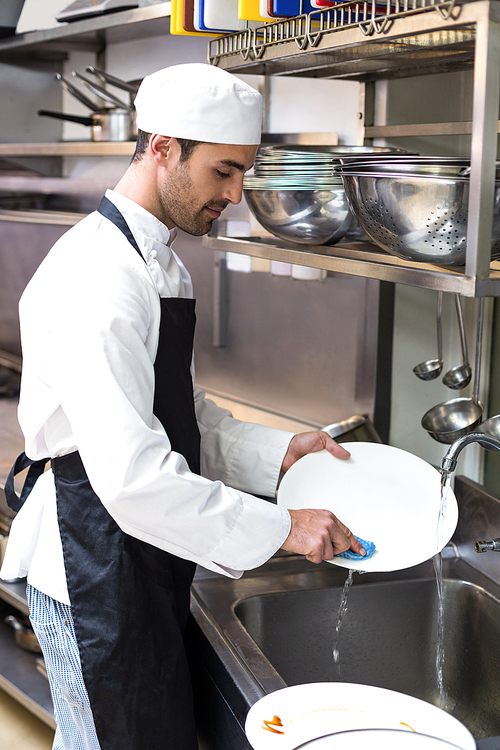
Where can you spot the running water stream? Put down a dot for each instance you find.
(438, 569)
(342, 611)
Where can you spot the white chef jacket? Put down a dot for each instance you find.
(89, 326)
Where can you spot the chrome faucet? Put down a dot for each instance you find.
(449, 464)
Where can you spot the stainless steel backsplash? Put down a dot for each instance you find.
(308, 350)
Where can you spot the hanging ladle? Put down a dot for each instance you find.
(431, 368)
(451, 420)
(459, 377)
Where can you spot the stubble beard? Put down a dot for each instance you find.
(178, 200)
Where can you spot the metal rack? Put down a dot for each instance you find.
(358, 31)
(363, 259)
(90, 34)
(369, 41)
(307, 30)
(67, 148)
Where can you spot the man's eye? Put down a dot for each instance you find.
(223, 174)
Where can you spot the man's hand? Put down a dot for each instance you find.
(319, 535)
(310, 442)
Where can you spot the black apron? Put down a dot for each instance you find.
(130, 600)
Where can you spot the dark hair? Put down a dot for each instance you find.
(187, 146)
(141, 145)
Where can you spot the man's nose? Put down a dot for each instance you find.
(234, 191)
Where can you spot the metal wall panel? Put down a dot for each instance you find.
(299, 348)
(304, 349)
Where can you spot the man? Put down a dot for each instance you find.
(147, 476)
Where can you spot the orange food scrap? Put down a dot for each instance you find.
(407, 725)
(271, 725)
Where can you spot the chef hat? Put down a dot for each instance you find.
(199, 102)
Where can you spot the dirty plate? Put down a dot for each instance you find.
(310, 711)
(384, 495)
(378, 739)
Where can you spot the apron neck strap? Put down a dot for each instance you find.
(110, 211)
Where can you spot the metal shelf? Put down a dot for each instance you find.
(363, 259)
(67, 148)
(412, 37)
(91, 34)
(416, 37)
(19, 674)
(15, 594)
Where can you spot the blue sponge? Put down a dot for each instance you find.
(350, 555)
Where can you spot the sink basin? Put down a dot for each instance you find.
(280, 622)
(388, 639)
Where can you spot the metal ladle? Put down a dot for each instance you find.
(491, 427)
(451, 420)
(459, 377)
(431, 368)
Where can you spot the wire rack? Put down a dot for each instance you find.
(306, 30)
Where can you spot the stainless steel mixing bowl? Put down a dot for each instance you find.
(280, 152)
(294, 194)
(310, 216)
(405, 165)
(418, 218)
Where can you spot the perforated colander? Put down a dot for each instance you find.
(418, 218)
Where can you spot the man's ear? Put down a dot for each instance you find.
(160, 147)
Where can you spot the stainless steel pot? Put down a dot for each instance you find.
(132, 88)
(107, 124)
(102, 92)
(24, 634)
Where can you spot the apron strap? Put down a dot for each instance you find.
(36, 469)
(108, 209)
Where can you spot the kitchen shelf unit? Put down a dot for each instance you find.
(67, 148)
(89, 34)
(413, 37)
(92, 35)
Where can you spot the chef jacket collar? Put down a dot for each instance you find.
(152, 230)
(154, 240)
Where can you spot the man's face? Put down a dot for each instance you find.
(197, 190)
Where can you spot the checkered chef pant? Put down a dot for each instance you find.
(53, 625)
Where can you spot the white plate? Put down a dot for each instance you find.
(378, 739)
(383, 494)
(315, 709)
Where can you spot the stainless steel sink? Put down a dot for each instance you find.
(276, 627)
(281, 624)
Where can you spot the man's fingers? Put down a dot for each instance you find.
(310, 442)
(319, 535)
(353, 543)
(356, 546)
(334, 448)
